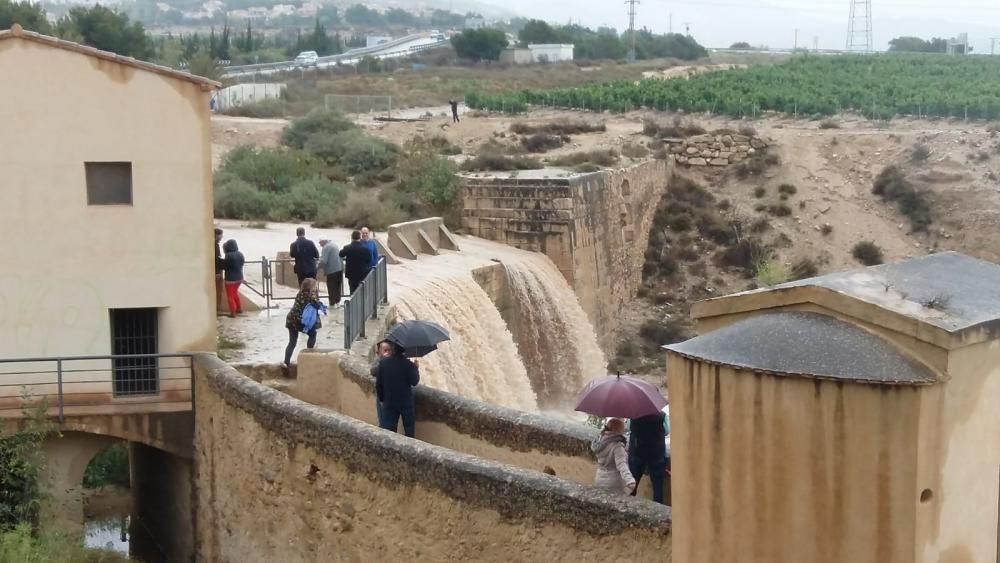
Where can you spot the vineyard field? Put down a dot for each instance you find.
(879, 87)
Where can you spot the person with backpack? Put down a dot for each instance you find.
(306, 308)
(232, 267)
(304, 252)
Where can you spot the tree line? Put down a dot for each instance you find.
(603, 43)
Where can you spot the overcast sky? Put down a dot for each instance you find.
(719, 23)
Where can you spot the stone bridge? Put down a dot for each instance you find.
(594, 227)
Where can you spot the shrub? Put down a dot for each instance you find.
(236, 199)
(920, 153)
(270, 107)
(826, 229)
(868, 253)
(491, 162)
(429, 177)
(559, 127)
(787, 189)
(440, 144)
(308, 197)
(829, 124)
(768, 273)
(892, 185)
(759, 192)
(270, 170)
(748, 131)
(803, 268)
(600, 158)
(110, 467)
(367, 155)
(760, 207)
(541, 142)
(661, 332)
(779, 210)
(680, 223)
(632, 150)
(21, 544)
(361, 207)
(760, 225)
(316, 121)
(678, 129)
(743, 255)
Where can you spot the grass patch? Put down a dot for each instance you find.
(492, 162)
(558, 128)
(867, 253)
(22, 545)
(769, 273)
(595, 159)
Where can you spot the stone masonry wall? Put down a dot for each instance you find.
(714, 150)
(278, 479)
(594, 227)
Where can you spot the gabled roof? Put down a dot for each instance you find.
(946, 298)
(805, 344)
(16, 32)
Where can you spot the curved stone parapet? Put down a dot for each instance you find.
(281, 479)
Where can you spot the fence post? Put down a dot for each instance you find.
(59, 382)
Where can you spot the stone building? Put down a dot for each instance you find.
(107, 215)
(850, 417)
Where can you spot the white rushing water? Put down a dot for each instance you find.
(480, 361)
(554, 353)
(556, 341)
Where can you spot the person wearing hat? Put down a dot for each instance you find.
(333, 267)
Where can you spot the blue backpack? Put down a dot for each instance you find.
(309, 316)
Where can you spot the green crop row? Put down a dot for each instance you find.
(879, 86)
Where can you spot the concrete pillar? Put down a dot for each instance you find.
(163, 517)
(65, 460)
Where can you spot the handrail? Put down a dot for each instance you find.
(363, 304)
(121, 378)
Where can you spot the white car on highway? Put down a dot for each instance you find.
(307, 58)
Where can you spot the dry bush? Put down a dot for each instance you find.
(804, 267)
(759, 192)
(679, 128)
(787, 189)
(541, 142)
(598, 158)
(491, 162)
(892, 185)
(868, 253)
(829, 124)
(920, 153)
(779, 210)
(632, 150)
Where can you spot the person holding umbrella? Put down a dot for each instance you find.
(613, 473)
(395, 378)
(647, 451)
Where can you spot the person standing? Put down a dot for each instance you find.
(454, 111)
(394, 382)
(382, 350)
(232, 267)
(647, 451)
(304, 252)
(333, 268)
(612, 462)
(369, 242)
(357, 260)
(308, 295)
(218, 268)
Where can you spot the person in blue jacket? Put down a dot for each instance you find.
(369, 242)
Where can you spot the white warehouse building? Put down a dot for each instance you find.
(551, 52)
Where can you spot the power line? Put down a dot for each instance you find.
(859, 26)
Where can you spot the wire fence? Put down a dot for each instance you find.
(347, 104)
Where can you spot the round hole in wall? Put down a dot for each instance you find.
(926, 496)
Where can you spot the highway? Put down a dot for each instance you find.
(396, 48)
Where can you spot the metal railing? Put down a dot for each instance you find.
(363, 304)
(90, 384)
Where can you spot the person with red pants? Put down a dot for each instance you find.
(232, 269)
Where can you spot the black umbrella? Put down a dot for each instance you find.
(418, 338)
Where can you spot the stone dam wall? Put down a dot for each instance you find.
(278, 479)
(594, 227)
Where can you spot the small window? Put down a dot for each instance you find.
(109, 183)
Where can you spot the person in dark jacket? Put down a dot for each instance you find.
(304, 252)
(358, 259)
(647, 451)
(232, 267)
(308, 293)
(218, 268)
(394, 382)
(454, 110)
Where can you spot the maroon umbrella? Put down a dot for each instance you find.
(620, 396)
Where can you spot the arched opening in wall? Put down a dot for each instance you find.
(107, 498)
(626, 188)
